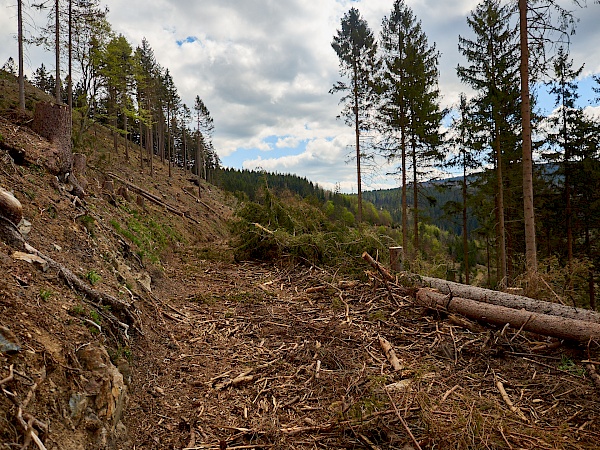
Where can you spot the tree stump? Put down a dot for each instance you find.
(53, 122)
(396, 263)
(79, 165)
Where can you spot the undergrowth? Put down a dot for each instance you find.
(289, 227)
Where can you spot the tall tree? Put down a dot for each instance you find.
(537, 17)
(117, 73)
(356, 48)
(409, 100)
(20, 45)
(204, 130)
(492, 72)
(563, 134)
(467, 147)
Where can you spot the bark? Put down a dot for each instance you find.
(53, 122)
(357, 137)
(548, 325)
(511, 301)
(464, 224)
(57, 52)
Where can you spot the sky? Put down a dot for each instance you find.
(264, 69)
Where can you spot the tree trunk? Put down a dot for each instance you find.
(126, 126)
(404, 199)
(548, 325)
(415, 198)
(53, 121)
(503, 281)
(511, 301)
(20, 41)
(464, 224)
(57, 52)
(358, 174)
(529, 214)
(70, 50)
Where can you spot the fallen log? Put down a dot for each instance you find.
(545, 324)
(511, 300)
(153, 198)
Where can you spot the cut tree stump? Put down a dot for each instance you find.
(545, 324)
(53, 122)
(511, 300)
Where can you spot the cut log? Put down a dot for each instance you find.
(10, 207)
(511, 300)
(545, 324)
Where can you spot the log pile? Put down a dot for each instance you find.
(499, 308)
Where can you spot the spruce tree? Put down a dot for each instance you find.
(410, 115)
(492, 71)
(356, 48)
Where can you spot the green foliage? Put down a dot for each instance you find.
(45, 294)
(568, 365)
(149, 236)
(93, 277)
(294, 228)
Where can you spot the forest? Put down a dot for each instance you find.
(525, 204)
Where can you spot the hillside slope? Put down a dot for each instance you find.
(243, 355)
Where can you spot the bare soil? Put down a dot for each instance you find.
(253, 355)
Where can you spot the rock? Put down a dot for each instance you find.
(24, 227)
(77, 404)
(145, 281)
(9, 343)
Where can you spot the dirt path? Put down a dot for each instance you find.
(252, 356)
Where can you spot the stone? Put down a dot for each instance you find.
(9, 343)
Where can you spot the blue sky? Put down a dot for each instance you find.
(264, 70)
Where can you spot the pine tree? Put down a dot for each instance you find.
(356, 48)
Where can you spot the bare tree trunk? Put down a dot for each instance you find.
(415, 197)
(404, 200)
(500, 205)
(529, 213)
(57, 52)
(198, 168)
(464, 225)
(20, 40)
(70, 76)
(358, 174)
(126, 137)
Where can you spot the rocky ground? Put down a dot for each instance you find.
(245, 355)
